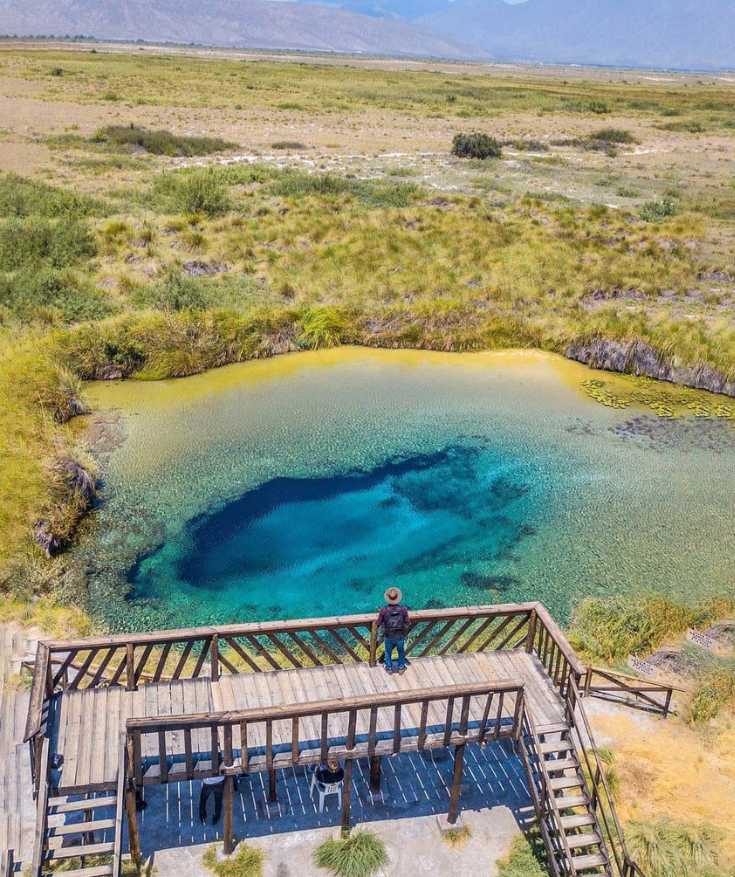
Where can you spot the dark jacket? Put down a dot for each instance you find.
(383, 617)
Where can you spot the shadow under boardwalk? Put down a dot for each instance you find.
(413, 784)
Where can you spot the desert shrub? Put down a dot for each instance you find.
(245, 862)
(52, 295)
(22, 197)
(596, 107)
(657, 211)
(24, 242)
(159, 142)
(288, 144)
(529, 145)
(527, 858)
(359, 855)
(610, 628)
(685, 126)
(662, 848)
(613, 135)
(199, 191)
(714, 692)
(476, 145)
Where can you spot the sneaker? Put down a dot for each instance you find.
(401, 670)
(388, 669)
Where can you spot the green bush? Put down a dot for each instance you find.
(715, 691)
(377, 193)
(25, 242)
(51, 295)
(159, 142)
(322, 327)
(199, 191)
(613, 135)
(657, 211)
(22, 197)
(174, 292)
(662, 848)
(610, 628)
(476, 145)
(359, 855)
(246, 862)
(527, 858)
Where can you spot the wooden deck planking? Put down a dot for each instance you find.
(89, 723)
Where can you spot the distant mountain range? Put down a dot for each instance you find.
(229, 23)
(682, 34)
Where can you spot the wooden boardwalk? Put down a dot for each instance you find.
(88, 723)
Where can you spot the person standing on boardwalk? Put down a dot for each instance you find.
(211, 786)
(395, 623)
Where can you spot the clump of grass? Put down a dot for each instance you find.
(610, 628)
(27, 242)
(288, 145)
(370, 193)
(476, 145)
(362, 854)
(715, 691)
(45, 294)
(663, 848)
(20, 197)
(613, 135)
(658, 211)
(246, 862)
(595, 107)
(199, 191)
(457, 838)
(323, 326)
(527, 858)
(176, 291)
(685, 127)
(160, 142)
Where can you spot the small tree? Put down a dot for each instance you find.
(476, 145)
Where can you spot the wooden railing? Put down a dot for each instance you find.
(8, 863)
(210, 652)
(41, 808)
(602, 801)
(622, 688)
(234, 743)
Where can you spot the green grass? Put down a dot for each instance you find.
(663, 848)
(245, 862)
(362, 854)
(715, 691)
(20, 197)
(160, 142)
(527, 858)
(25, 242)
(611, 628)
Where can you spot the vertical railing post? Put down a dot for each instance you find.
(531, 631)
(229, 793)
(456, 784)
(347, 797)
(374, 643)
(131, 802)
(130, 667)
(667, 704)
(214, 658)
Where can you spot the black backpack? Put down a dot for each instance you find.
(395, 624)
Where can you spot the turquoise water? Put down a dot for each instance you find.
(305, 486)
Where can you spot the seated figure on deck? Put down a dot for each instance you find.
(394, 622)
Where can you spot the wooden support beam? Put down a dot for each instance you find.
(229, 793)
(456, 784)
(133, 834)
(346, 797)
(375, 773)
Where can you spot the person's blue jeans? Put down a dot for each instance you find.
(400, 646)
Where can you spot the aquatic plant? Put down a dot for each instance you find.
(362, 854)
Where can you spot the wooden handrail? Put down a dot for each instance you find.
(640, 689)
(562, 642)
(317, 707)
(304, 625)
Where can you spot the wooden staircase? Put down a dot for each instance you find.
(565, 807)
(86, 828)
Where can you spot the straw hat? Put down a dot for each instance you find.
(393, 595)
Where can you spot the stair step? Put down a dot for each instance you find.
(565, 783)
(64, 805)
(556, 746)
(81, 850)
(552, 728)
(581, 863)
(94, 871)
(571, 801)
(82, 827)
(578, 841)
(555, 764)
(577, 821)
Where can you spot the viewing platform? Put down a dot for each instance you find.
(112, 717)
